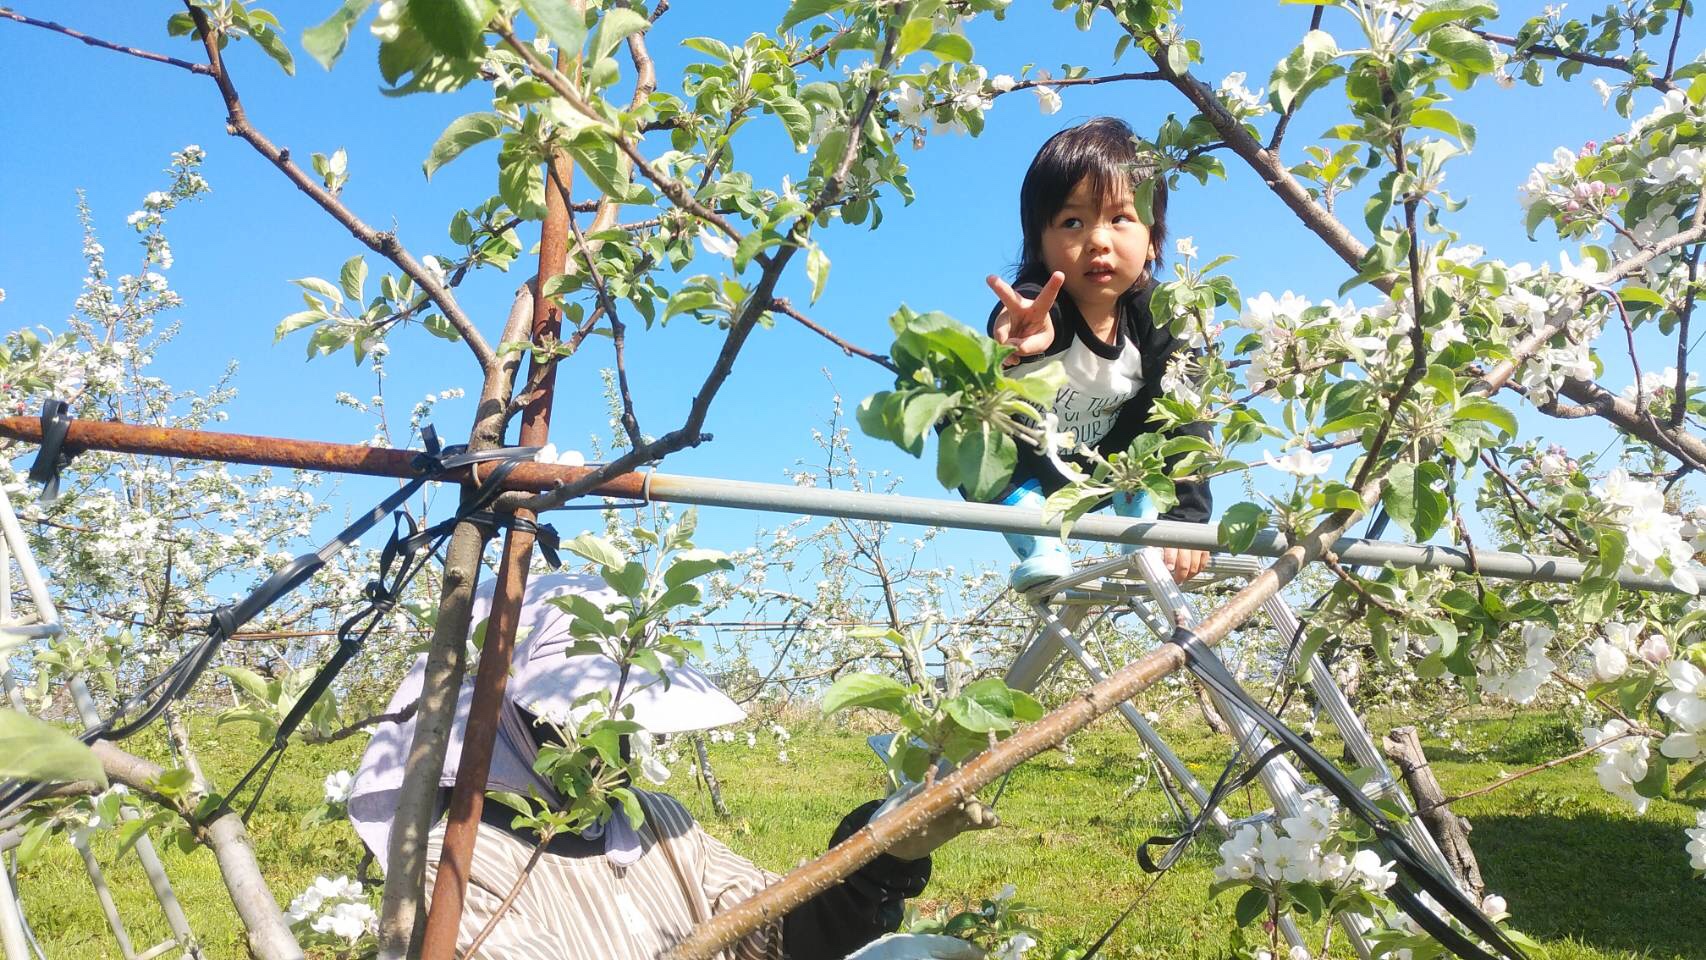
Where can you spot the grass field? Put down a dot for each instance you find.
(1581, 873)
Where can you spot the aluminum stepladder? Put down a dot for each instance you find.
(1101, 591)
(42, 622)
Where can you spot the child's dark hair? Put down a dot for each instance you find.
(1102, 151)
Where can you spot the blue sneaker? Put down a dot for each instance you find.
(1041, 559)
(1135, 505)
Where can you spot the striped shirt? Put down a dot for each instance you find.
(572, 908)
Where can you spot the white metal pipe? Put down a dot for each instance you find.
(780, 498)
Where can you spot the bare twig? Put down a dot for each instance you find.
(784, 306)
(509, 898)
(1511, 487)
(1679, 402)
(105, 44)
(1556, 761)
(401, 716)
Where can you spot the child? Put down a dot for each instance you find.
(1081, 296)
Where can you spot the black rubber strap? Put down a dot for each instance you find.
(54, 455)
(1208, 668)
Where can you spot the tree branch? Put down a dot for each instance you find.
(106, 44)
(385, 244)
(1661, 84)
(784, 306)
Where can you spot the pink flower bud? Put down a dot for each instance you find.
(1655, 649)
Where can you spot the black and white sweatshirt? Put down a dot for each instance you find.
(1110, 389)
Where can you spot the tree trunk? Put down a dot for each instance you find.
(710, 776)
(269, 936)
(1449, 830)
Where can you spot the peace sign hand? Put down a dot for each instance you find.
(1026, 325)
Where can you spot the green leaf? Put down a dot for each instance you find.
(322, 287)
(802, 10)
(795, 117)
(692, 564)
(521, 181)
(983, 457)
(1460, 48)
(252, 683)
(32, 749)
(975, 715)
(1251, 906)
(865, 690)
(919, 415)
(273, 43)
(353, 277)
(950, 46)
(817, 270)
(325, 43)
(597, 156)
(1487, 411)
(1304, 70)
(296, 321)
(453, 27)
(598, 550)
(1178, 59)
(1451, 11)
(617, 25)
(463, 132)
(1445, 122)
(1693, 778)
(913, 36)
(1240, 524)
(559, 21)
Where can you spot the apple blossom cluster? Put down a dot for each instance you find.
(1517, 678)
(337, 787)
(1657, 391)
(1624, 754)
(1302, 849)
(332, 911)
(1655, 536)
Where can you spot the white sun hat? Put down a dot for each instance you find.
(546, 683)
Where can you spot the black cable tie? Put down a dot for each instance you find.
(54, 455)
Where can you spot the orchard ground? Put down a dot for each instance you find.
(1581, 873)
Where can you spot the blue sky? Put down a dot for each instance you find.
(77, 117)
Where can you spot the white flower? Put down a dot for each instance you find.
(1697, 842)
(1605, 90)
(1014, 947)
(1239, 99)
(1609, 662)
(1368, 871)
(347, 921)
(1186, 246)
(909, 102)
(337, 786)
(1313, 823)
(1298, 952)
(1238, 855)
(1048, 101)
(1623, 760)
(651, 766)
(715, 243)
(1001, 82)
(1300, 462)
(1494, 907)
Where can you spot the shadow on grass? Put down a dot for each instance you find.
(1615, 883)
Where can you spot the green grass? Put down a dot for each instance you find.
(1582, 874)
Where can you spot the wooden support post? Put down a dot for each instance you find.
(1450, 831)
(467, 798)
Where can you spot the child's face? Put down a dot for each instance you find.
(1099, 243)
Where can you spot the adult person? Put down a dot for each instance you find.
(618, 893)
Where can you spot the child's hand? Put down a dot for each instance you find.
(1183, 564)
(1025, 325)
